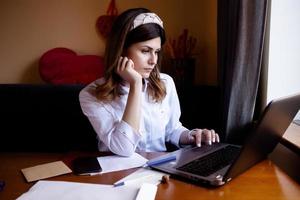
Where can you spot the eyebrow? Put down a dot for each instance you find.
(150, 47)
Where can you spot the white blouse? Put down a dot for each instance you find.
(159, 121)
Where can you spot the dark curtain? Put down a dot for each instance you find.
(241, 30)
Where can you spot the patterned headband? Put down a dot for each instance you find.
(146, 18)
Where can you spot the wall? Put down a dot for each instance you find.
(31, 27)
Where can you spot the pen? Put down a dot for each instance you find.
(138, 179)
(160, 161)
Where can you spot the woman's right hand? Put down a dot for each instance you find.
(127, 72)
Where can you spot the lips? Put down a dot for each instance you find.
(148, 69)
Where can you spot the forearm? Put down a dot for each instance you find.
(132, 113)
(123, 140)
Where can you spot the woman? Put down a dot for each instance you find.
(134, 107)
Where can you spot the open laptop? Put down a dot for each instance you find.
(217, 164)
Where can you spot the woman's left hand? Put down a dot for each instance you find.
(204, 136)
(198, 136)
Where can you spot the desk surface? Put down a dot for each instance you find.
(263, 181)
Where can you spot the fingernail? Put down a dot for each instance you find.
(209, 142)
(198, 145)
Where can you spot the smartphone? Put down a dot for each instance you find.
(86, 166)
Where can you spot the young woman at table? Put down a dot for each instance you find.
(134, 107)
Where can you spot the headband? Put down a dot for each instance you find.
(146, 18)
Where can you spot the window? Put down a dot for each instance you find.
(283, 73)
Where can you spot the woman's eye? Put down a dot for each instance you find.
(145, 51)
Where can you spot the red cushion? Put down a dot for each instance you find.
(64, 66)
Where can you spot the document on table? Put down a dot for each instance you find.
(49, 190)
(146, 192)
(139, 177)
(116, 163)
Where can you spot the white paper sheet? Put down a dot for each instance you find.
(141, 176)
(147, 192)
(50, 190)
(116, 163)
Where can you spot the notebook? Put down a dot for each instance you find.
(46, 170)
(217, 164)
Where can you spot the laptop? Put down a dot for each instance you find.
(217, 164)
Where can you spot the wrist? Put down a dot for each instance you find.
(186, 138)
(137, 84)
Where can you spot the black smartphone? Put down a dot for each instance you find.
(86, 165)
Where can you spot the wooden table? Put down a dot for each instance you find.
(263, 181)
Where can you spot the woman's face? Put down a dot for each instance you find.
(144, 55)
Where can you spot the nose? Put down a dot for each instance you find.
(153, 58)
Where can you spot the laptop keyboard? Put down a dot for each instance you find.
(211, 163)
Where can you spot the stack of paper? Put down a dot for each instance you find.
(50, 190)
